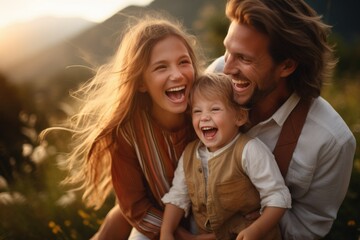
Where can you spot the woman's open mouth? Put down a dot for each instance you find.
(176, 94)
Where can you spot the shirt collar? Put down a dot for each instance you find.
(283, 112)
(201, 147)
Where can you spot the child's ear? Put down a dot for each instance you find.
(142, 87)
(242, 117)
(288, 67)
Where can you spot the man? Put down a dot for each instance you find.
(277, 53)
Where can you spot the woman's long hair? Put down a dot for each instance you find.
(108, 101)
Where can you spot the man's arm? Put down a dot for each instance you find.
(317, 190)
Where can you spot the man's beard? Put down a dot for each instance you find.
(259, 95)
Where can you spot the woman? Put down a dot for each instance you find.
(133, 126)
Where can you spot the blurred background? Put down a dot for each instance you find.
(45, 56)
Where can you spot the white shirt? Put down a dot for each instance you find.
(319, 173)
(257, 162)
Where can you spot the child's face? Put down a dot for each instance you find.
(169, 77)
(215, 123)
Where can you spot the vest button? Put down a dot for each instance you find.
(200, 170)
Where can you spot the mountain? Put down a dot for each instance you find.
(22, 40)
(98, 42)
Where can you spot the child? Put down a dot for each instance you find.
(225, 174)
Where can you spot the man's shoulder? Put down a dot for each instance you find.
(217, 65)
(323, 118)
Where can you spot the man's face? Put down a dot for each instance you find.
(248, 62)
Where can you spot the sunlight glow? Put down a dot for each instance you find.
(92, 10)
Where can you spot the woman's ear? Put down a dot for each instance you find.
(142, 87)
(287, 67)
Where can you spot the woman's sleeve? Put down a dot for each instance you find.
(132, 193)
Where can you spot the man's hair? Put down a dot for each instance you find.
(295, 32)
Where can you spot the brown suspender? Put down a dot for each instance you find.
(289, 135)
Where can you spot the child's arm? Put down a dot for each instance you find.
(171, 219)
(263, 225)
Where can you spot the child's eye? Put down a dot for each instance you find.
(196, 111)
(185, 61)
(215, 109)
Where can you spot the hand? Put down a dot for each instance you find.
(205, 236)
(167, 237)
(182, 234)
(252, 216)
(249, 233)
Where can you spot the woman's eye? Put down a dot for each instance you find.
(159, 67)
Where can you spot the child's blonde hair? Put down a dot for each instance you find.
(109, 100)
(215, 85)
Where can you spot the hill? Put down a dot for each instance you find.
(93, 46)
(22, 40)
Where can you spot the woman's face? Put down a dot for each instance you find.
(168, 77)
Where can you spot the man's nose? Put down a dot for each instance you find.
(229, 66)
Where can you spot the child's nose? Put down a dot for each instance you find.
(205, 117)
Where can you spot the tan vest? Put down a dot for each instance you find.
(230, 193)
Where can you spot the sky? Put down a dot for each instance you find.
(12, 11)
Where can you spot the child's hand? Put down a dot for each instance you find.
(167, 237)
(205, 236)
(182, 234)
(250, 233)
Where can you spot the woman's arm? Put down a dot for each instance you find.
(132, 193)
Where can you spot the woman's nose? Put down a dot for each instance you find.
(175, 74)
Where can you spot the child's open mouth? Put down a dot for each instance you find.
(209, 132)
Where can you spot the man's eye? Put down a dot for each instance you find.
(244, 58)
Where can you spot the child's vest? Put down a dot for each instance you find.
(229, 196)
